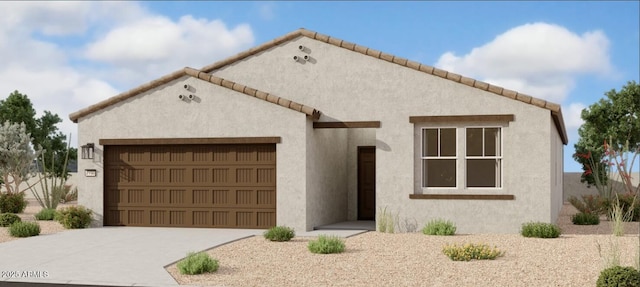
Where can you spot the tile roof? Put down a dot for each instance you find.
(309, 111)
(555, 109)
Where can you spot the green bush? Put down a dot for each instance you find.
(540, 230)
(471, 251)
(627, 203)
(326, 245)
(279, 233)
(619, 276)
(46, 214)
(7, 219)
(439, 227)
(12, 202)
(585, 219)
(73, 217)
(197, 263)
(24, 229)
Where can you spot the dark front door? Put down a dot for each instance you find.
(366, 183)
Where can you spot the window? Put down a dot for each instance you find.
(439, 157)
(483, 157)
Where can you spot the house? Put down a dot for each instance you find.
(308, 130)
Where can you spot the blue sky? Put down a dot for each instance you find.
(68, 55)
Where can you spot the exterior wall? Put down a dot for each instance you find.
(355, 138)
(216, 112)
(556, 176)
(326, 176)
(348, 86)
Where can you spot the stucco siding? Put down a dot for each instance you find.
(326, 176)
(556, 169)
(216, 112)
(348, 86)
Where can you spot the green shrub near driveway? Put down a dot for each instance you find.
(582, 218)
(74, 217)
(24, 229)
(197, 263)
(279, 233)
(326, 245)
(12, 202)
(540, 230)
(7, 219)
(619, 276)
(46, 214)
(439, 227)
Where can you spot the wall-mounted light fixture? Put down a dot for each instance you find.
(87, 151)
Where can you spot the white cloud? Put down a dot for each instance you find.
(572, 115)
(539, 59)
(156, 43)
(129, 42)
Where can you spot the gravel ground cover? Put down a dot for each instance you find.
(46, 227)
(414, 259)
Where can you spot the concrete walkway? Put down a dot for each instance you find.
(114, 256)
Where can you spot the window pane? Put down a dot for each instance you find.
(483, 173)
(492, 142)
(474, 141)
(440, 172)
(430, 142)
(447, 142)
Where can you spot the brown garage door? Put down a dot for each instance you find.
(198, 185)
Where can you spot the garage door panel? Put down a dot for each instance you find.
(191, 186)
(176, 217)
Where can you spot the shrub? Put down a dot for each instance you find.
(630, 206)
(279, 233)
(619, 276)
(326, 245)
(73, 217)
(197, 263)
(471, 251)
(24, 229)
(594, 204)
(12, 202)
(585, 219)
(385, 221)
(46, 214)
(7, 219)
(540, 230)
(439, 227)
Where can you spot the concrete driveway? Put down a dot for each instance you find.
(117, 256)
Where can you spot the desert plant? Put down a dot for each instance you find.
(7, 219)
(69, 194)
(46, 214)
(279, 233)
(471, 251)
(582, 218)
(12, 202)
(16, 157)
(24, 229)
(592, 204)
(73, 217)
(619, 276)
(385, 221)
(326, 245)
(52, 185)
(197, 263)
(612, 257)
(439, 227)
(540, 230)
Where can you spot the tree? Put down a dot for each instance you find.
(17, 108)
(616, 119)
(16, 156)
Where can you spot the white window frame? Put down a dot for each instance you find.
(500, 157)
(424, 158)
